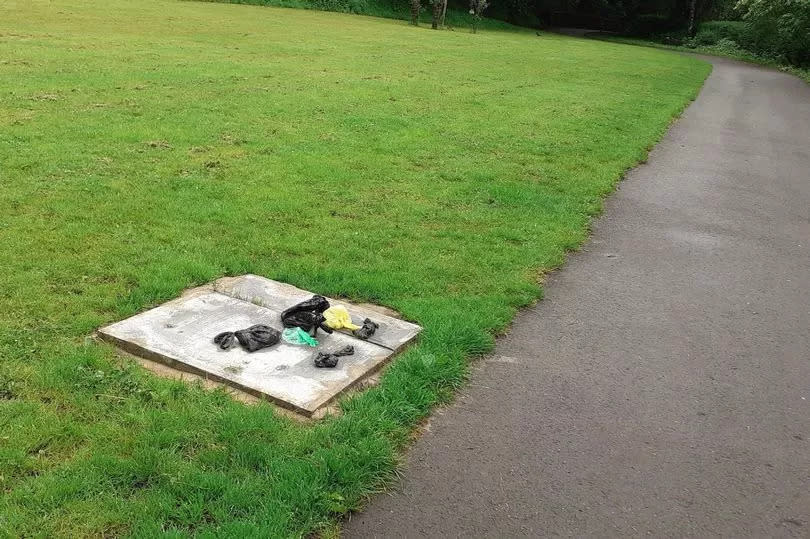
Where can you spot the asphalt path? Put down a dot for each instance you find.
(662, 387)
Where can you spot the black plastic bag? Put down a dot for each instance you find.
(368, 329)
(329, 361)
(307, 315)
(225, 339)
(252, 339)
(326, 361)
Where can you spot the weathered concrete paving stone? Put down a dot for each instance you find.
(179, 333)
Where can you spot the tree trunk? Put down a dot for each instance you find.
(444, 12)
(692, 9)
(437, 13)
(416, 7)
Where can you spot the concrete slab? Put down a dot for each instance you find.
(179, 334)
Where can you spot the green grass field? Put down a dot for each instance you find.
(150, 146)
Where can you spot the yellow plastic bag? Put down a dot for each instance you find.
(338, 317)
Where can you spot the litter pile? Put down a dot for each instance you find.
(302, 322)
(260, 354)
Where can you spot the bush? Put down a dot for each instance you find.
(714, 33)
(708, 34)
(779, 28)
(711, 32)
(727, 47)
(738, 38)
(344, 6)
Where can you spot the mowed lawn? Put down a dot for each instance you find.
(149, 146)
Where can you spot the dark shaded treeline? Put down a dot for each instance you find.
(626, 16)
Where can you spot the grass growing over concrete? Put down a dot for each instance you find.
(151, 146)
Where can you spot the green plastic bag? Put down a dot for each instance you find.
(298, 336)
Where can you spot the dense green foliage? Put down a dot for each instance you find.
(734, 34)
(710, 43)
(746, 40)
(772, 30)
(778, 28)
(711, 32)
(155, 145)
(634, 16)
(642, 17)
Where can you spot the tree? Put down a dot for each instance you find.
(692, 28)
(477, 7)
(437, 13)
(416, 8)
(780, 27)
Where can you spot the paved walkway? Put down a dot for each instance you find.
(663, 385)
